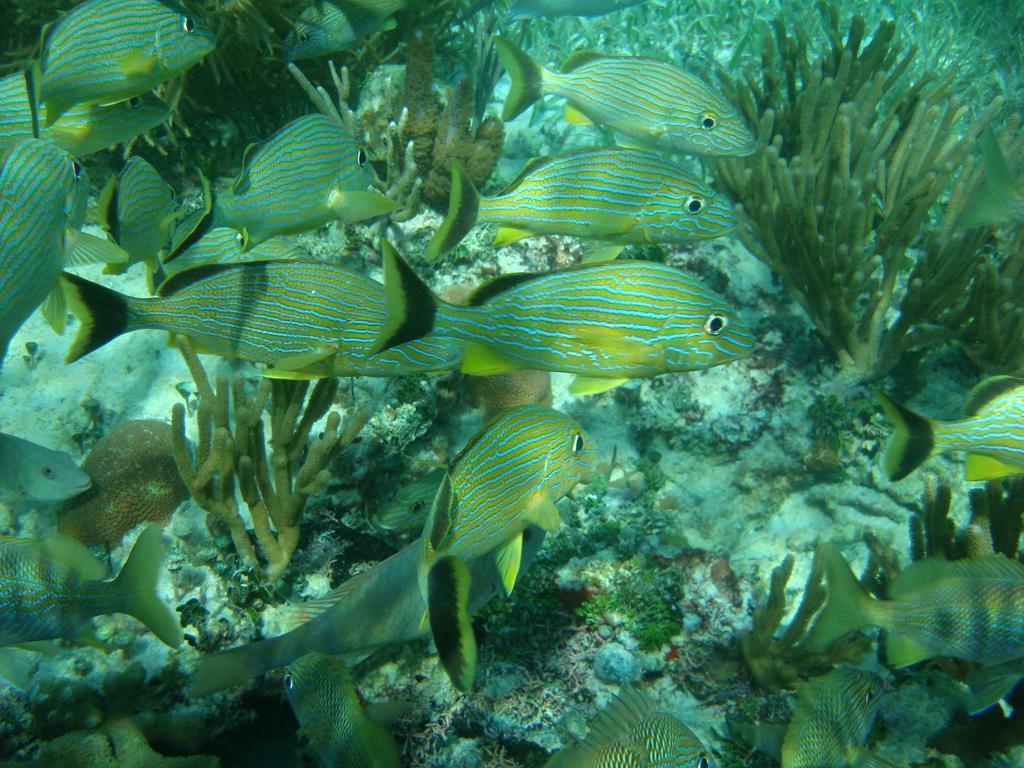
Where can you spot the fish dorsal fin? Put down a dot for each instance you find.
(581, 58)
(73, 555)
(241, 184)
(439, 520)
(533, 165)
(985, 392)
(933, 569)
(187, 277)
(498, 285)
(107, 209)
(33, 89)
(199, 222)
(617, 719)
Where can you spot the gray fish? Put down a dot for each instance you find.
(329, 26)
(532, 9)
(28, 470)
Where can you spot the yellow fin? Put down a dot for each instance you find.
(83, 248)
(136, 63)
(902, 651)
(55, 309)
(574, 117)
(508, 235)
(448, 609)
(602, 252)
(295, 374)
(508, 558)
(592, 385)
(483, 361)
(355, 206)
(982, 467)
(306, 359)
(543, 512)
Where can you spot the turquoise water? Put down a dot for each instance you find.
(807, 206)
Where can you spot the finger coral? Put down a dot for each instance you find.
(135, 480)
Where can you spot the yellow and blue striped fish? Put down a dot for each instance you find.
(51, 587)
(137, 212)
(649, 101)
(409, 509)
(991, 432)
(330, 26)
(606, 322)
(223, 245)
(105, 51)
(305, 175)
(508, 477)
(307, 320)
(632, 733)
(614, 194)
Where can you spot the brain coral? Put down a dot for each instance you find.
(135, 480)
(498, 393)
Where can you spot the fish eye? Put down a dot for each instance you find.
(708, 121)
(694, 204)
(289, 682)
(134, 102)
(76, 168)
(869, 697)
(188, 25)
(577, 443)
(361, 157)
(715, 324)
(417, 506)
(48, 473)
(303, 37)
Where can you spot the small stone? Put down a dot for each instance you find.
(615, 665)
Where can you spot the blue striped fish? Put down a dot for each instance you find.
(991, 432)
(533, 9)
(508, 477)
(606, 322)
(105, 51)
(223, 245)
(649, 101)
(307, 320)
(329, 26)
(305, 175)
(613, 194)
(632, 733)
(82, 130)
(409, 509)
(51, 587)
(137, 211)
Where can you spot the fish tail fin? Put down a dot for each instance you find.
(992, 204)
(412, 306)
(102, 313)
(448, 607)
(463, 209)
(913, 439)
(527, 78)
(848, 606)
(137, 585)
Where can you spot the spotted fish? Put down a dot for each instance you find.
(305, 175)
(329, 26)
(34, 472)
(508, 477)
(105, 51)
(613, 194)
(332, 716)
(137, 211)
(991, 432)
(606, 322)
(307, 320)
(409, 509)
(632, 733)
(831, 721)
(646, 100)
(51, 587)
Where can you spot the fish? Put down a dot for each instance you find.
(1000, 200)
(831, 721)
(137, 211)
(83, 130)
(305, 175)
(614, 194)
(649, 101)
(631, 732)
(991, 432)
(41, 194)
(224, 245)
(329, 26)
(331, 715)
(963, 609)
(605, 322)
(379, 607)
(507, 478)
(534, 9)
(106, 51)
(41, 474)
(51, 587)
(412, 503)
(304, 319)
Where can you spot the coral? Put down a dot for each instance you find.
(498, 393)
(134, 480)
(232, 451)
(780, 662)
(850, 161)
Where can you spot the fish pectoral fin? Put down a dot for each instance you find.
(295, 374)
(509, 235)
(982, 467)
(595, 253)
(574, 116)
(483, 361)
(350, 205)
(83, 248)
(592, 385)
(136, 63)
(541, 510)
(508, 557)
(865, 758)
(448, 608)
(55, 309)
(902, 651)
(989, 685)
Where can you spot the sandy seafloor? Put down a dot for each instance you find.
(717, 474)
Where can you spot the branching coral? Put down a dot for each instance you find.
(850, 163)
(231, 452)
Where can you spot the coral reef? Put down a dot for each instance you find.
(134, 480)
(850, 161)
(232, 451)
(494, 394)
